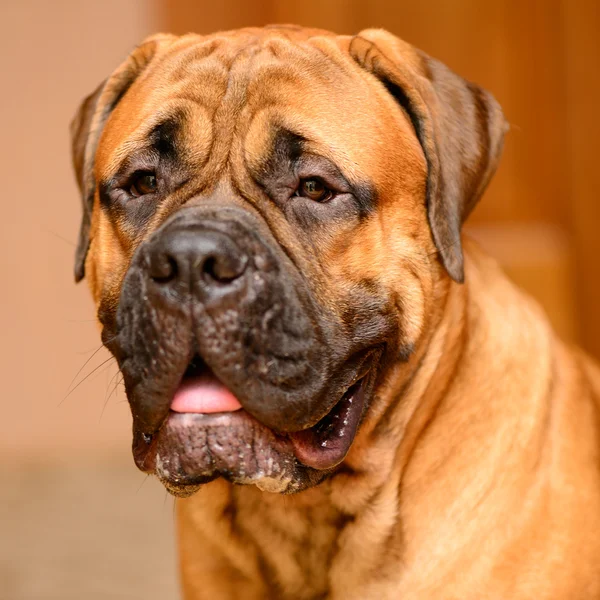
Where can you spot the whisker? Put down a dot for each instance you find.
(84, 365)
(117, 384)
(108, 341)
(107, 395)
(106, 368)
(143, 482)
(60, 237)
(85, 378)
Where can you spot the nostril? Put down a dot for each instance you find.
(184, 257)
(209, 267)
(163, 268)
(224, 268)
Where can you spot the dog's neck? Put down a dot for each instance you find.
(423, 466)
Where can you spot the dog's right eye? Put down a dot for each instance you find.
(143, 183)
(314, 189)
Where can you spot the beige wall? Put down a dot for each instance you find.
(52, 53)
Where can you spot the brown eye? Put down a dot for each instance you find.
(142, 184)
(314, 190)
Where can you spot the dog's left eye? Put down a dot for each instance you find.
(143, 183)
(314, 189)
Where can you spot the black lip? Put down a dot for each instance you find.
(326, 444)
(192, 449)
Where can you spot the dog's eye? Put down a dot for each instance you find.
(143, 183)
(314, 189)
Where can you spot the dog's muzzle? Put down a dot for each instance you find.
(219, 340)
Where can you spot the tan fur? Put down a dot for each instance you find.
(476, 473)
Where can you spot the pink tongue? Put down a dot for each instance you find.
(204, 394)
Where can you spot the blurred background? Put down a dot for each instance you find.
(77, 520)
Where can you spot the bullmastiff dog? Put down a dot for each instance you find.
(350, 401)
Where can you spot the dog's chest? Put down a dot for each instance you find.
(295, 544)
(272, 546)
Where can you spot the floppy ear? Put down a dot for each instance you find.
(459, 125)
(86, 129)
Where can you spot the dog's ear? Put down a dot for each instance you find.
(80, 133)
(87, 126)
(459, 126)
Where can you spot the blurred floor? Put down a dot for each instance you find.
(74, 530)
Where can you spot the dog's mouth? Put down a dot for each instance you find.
(201, 392)
(208, 434)
(325, 445)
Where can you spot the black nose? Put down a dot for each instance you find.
(194, 255)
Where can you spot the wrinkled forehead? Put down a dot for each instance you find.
(248, 85)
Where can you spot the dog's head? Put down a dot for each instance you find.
(267, 215)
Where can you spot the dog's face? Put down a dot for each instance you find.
(267, 217)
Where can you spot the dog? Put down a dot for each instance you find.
(350, 400)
